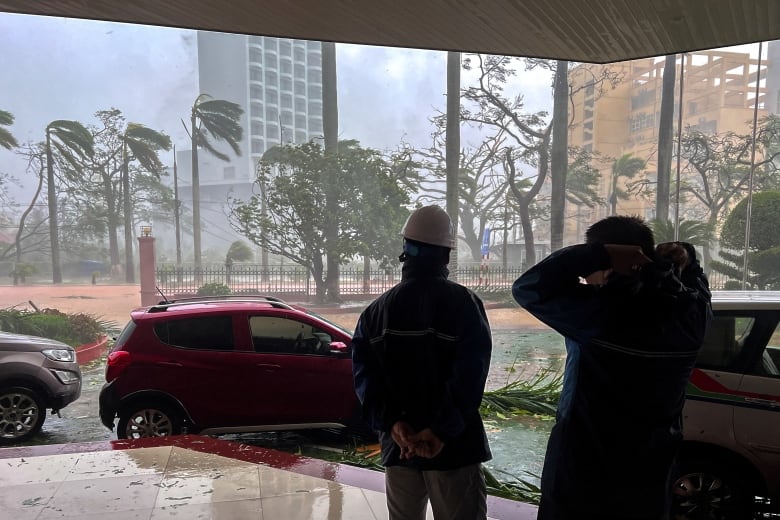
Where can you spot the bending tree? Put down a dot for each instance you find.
(140, 144)
(763, 245)
(7, 140)
(626, 167)
(72, 143)
(370, 207)
(718, 166)
(210, 119)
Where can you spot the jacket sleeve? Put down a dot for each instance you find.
(553, 293)
(376, 405)
(464, 389)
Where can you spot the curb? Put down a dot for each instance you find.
(91, 351)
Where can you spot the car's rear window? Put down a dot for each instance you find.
(126, 333)
(202, 333)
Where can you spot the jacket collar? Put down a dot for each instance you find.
(423, 268)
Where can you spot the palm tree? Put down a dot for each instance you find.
(7, 140)
(665, 138)
(330, 127)
(627, 167)
(452, 148)
(210, 119)
(559, 154)
(73, 143)
(691, 231)
(141, 144)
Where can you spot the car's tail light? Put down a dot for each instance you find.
(117, 362)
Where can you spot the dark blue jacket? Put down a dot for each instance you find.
(421, 354)
(631, 345)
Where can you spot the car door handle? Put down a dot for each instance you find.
(268, 367)
(756, 400)
(170, 363)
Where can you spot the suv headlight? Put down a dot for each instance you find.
(66, 377)
(60, 354)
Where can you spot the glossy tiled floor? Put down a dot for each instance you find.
(190, 477)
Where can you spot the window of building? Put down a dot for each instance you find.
(315, 92)
(300, 104)
(285, 47)
(315, 125)
(257, 129)
(286, 84)
(300, 136)
(287, 101)
(299, 71)
(315, 108)
(314, 59)
(256, 93)
(300, 121)
(271, 43)
(300, 87)
(272, 95)
(258, 146)
(271, 114)
(256, 74)
(299, 54)
(201, 333)
(271, 78)
(272, 130)
(641, 121)
(643, 98)
(269, 59)
(256, 109)
(255, 55)
(285, 66)
(287, 117)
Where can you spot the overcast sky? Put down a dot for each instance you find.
(55, 68)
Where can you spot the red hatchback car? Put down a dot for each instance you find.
(228, 365)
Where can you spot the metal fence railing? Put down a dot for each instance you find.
(294, 280)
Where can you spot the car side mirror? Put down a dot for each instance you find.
(338, 347)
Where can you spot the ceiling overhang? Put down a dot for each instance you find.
(598, 31)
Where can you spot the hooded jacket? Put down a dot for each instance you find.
(421, 354)
(631, 345)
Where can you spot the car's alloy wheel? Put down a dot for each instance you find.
(710, 493)
(148, 421)
(21, 414)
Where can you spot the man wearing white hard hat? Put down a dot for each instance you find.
(421, 354)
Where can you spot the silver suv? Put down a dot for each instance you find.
(731, 452)
(36, 374)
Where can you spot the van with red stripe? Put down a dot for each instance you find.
(731, 453)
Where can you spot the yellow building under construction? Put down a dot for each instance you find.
(615, 110)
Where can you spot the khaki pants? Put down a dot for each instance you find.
(458, 494)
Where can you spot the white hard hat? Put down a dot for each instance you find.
(430, 225)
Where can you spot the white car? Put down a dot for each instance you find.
(731, 451)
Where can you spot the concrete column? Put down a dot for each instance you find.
(148, 266)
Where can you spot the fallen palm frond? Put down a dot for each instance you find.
(538, 395)
(513, 488)
(364, 457)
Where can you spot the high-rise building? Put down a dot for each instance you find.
(278, 83)
(719, 92)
